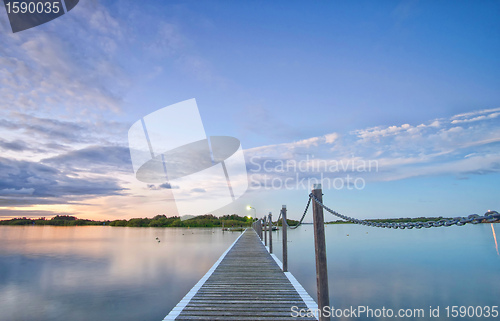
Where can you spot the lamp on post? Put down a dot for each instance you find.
(252, 208)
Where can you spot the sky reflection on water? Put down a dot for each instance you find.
(113, 273)
(400, 268)
(101, 273)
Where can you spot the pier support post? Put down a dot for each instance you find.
(265, 231)
(284, 227)
(270, 225)
(320, 249)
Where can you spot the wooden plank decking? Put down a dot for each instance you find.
(246, 283)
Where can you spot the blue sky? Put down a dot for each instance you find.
(411, 85)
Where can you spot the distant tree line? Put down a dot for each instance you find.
(208, 220)
(59, 220)
(288, 221)
(157, 221)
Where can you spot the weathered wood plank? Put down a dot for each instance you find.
(247, 284)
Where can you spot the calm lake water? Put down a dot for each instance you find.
(401, 269)
(116, 273)
(100, 272)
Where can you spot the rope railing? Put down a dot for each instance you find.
(279, 216)
(303, 216)
(490, 216)
(319, 234)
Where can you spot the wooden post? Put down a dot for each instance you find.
(270, 224)
(320, 249)
(265, 231)
(260, 228)
(285, 245)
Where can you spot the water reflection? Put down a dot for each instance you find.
(112, 273)
(400, 268)
(495, 238)
(101, 273)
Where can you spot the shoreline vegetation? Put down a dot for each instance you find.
(208, 220)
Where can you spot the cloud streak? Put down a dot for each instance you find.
(42, 72)
(25, 183)
(438, 147)
(78, 175)
(95, 159)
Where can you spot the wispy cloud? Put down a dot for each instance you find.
(166, 185)
(46, 128)
(79, 172)
(24, 183)
(438, 147)
(95, 159)
(476, 112)
(16, 145)
(9, 213)
(476, 116)
(40, 70)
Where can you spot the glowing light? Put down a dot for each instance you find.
(252, 208)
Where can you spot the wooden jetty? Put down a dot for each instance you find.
(246, 283)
